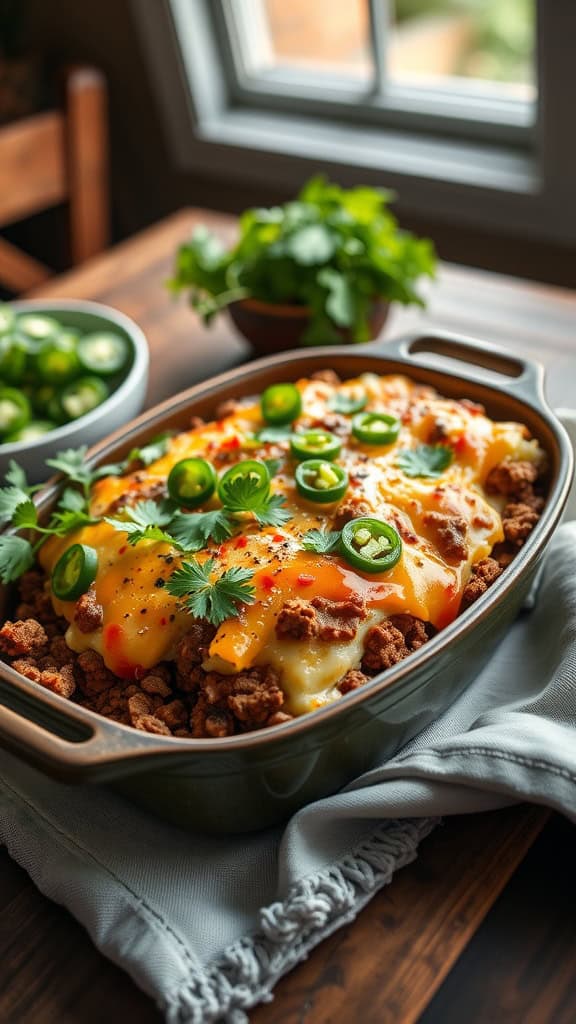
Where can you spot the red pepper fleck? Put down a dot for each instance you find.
(112, 634)
(231, 444)
(163, 621)
(122, 549)
(267, 582)
(278, 538)
(461, 444)
(305, 581)
(241, 542)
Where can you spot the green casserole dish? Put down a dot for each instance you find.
(250, 781)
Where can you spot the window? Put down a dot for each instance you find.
(440, 65)
(462, 105)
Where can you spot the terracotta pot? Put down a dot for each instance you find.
(272, 328)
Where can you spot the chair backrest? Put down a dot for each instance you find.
(54, 157)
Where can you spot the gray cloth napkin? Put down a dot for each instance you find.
(207, 926)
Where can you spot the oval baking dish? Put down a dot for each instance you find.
(253, 780)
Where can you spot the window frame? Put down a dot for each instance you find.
(381, 102)
(516, 182)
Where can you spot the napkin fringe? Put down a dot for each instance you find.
(314, 907)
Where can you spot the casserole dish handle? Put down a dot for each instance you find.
(522, 376)
(68, 746)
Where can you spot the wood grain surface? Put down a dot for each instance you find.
(388, 965)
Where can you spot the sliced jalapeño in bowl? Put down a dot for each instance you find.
(370, 545)
(321, 481)
(83, 395)
(313, 444)
(57, 358)
(104, 353)
(191, 482)
(74, 572)
(14, 411)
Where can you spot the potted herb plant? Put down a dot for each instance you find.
(318, 270)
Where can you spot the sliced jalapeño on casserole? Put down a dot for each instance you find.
(74, 572)
(371, 545)
(191, 482)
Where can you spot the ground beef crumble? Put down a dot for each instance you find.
(320, 619)
(449, 534)
(484, 574)
(88, 614)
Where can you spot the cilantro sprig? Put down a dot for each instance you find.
(323, 542)
(192, 531)
(426, 460)
(207, 597)
(144, 521)
(16, 507)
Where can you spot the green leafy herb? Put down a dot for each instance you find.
(71, 500)
(144, 521)
(16, 477)
(211, 599)
(334, 251)
(152, 451)
(10, 499)
(426, 460)
(321, 541)
(25, 515)
(273, 465)
(191, 531)
(274, 435)
(72, 464)
(64, 522)
(248, 492)
(16, 557)
(271, 511)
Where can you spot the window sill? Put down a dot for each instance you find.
(469, 164)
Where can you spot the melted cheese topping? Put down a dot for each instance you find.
(143, 623)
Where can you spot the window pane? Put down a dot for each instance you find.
(485, 46)
(320, 36)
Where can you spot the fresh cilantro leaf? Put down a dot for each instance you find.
(68, 520)
(25, 515)
(321, 541)
(10, 499)
(273, 465)
(16, 556)
(72, 464)
(271, 512)
(192, 530)
(156, 448)
(109, 469)
(340, 301)
(71, 501)
(16, 477)
(272, 435)
(144, 521)
(426, 460)
(244, 492)
(212, 599)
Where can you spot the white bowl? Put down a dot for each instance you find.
(122, 405)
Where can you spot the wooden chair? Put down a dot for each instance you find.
(51, 158)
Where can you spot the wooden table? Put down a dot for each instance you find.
(514, 940)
